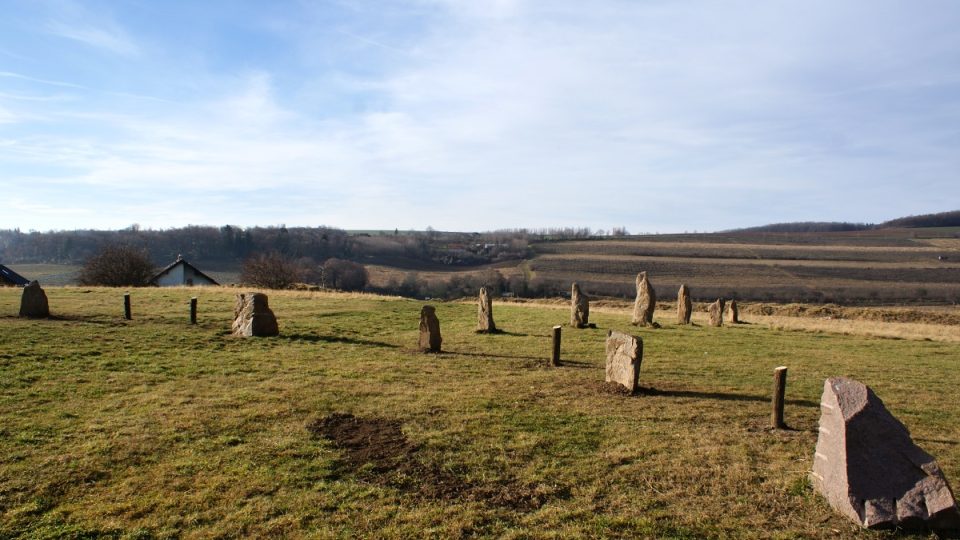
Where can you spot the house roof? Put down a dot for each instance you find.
(181, 260)
(9, 276)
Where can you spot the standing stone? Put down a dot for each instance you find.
(645, 303)
(33, 302)
(624, 355)
(868, 468)
(252, 316)
(716, 312)
(429, 330)
(733, 314)
(579, 308)
(485, 312)
(684, 305)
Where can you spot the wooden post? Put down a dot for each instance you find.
(555, 359)
(193, 310)
(126, 307)
(779, 389)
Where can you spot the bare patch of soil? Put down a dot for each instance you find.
(601, 387)
(377, 450)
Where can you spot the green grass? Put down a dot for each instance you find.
(153, 428)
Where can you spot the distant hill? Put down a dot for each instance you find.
(942, 219)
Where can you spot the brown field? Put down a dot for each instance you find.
(884, 267)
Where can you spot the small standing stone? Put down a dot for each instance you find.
(253, 316)
(624, 355)
(579, 308)
(684, 305)
(485, 312)
(33, 302)
(645, 303)
(733, 314)
(869, 469)
(716, 312)
(430, 339)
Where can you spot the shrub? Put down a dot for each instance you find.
(271, 271)
(344, 275)
(117, 265)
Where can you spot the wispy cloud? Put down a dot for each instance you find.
(111, 39)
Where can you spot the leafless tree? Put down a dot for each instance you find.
(271, 271)
(344, 275)
(117, 265)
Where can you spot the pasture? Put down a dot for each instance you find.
(153, 428)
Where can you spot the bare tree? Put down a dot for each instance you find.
(117, 265)
(344, 275)
(271, 271)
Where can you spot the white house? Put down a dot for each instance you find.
(181, 273)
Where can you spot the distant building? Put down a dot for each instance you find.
(180, 273)
(9, 278)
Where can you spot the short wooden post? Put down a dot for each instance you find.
(779, 389)
(126, 307)
(193, 310)
(555, 359)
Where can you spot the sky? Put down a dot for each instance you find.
(654, 115)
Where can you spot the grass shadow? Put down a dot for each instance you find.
(649, 391)
(545, 359)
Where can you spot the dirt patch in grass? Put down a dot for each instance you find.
(601, 387)
(376, 450)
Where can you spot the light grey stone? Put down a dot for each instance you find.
(684, 305)
(645, 303)
(485, 312)
(579, 307)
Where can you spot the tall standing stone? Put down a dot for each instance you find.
(716, 312)
(684, 305)
(733, 313)
(868, 468)
(252, 316)
(579, 308)
(430, 339)
(33, 302)
(645, 303)
(624, 355)
(485, 312)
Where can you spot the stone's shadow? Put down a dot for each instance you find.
(544, 359)
(936, 441)
(577, 364)
(313, 338)
(499, 332)
(649, 391)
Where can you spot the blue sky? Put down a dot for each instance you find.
(655, 115)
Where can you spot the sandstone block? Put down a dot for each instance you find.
(869, 469)
(33, 302)
(579, 307)
(624, 355)
(645, 302)
(733, 313)
(430, 339)
(716, 312)
(252, 316)
(684, 305)
(485, 312)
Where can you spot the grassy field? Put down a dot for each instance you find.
(152, 428)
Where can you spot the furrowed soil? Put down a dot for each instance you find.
(155, 428)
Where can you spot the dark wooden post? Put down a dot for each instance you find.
(555, 359)
(126, 307)
(193, 310)
(779, 389)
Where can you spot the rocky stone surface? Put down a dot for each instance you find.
(733, 313)
(485, 312)
(645, 302)
(715, 311)
(252, 316)
(684, 305)
(430, 339)
(624, 355)
(33, 301)
(868, 468)
(579, 307)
